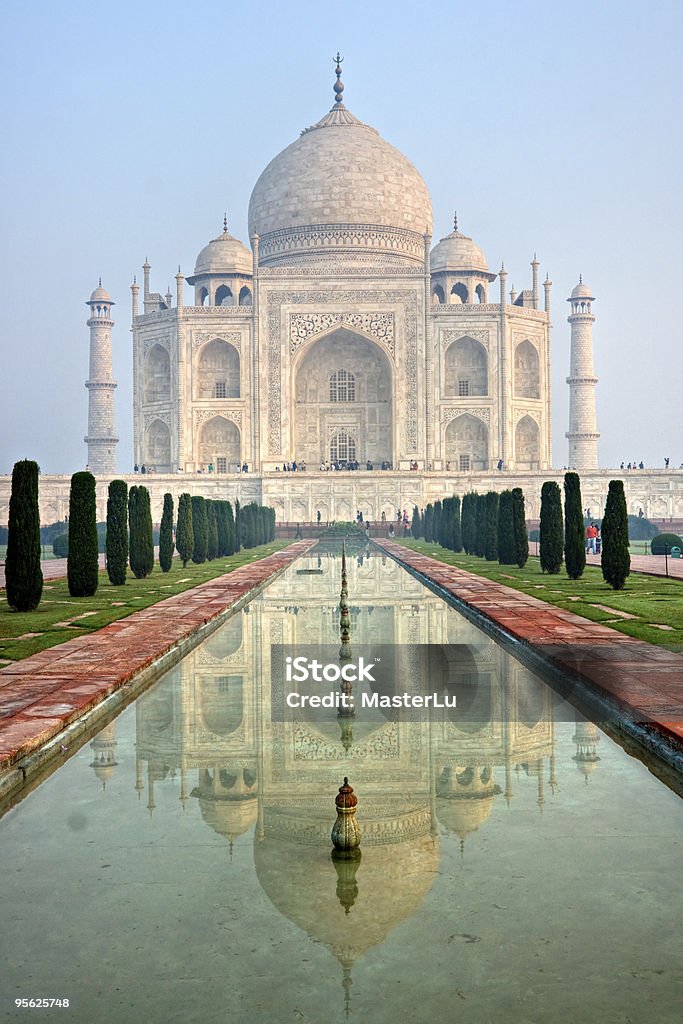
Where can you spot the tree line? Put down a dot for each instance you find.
(493, 526)
(205, 529)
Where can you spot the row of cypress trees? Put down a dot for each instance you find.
(492, 525)
(556, 541)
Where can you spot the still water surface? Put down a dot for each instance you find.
(516, 866)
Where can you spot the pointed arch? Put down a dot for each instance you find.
(465, 368)
(459, 293)
(224, 296)
(527, 371)
(157, 375)
(245, 298)
(158, 447)
(527, 444)
(467, 443)
(218, 370)
(219, 439)
(438, 297)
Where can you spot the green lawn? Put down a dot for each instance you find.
(653, 601)
(60, 617)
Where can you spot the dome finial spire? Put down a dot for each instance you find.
(225, 223)
(338, 85)
(455, 221)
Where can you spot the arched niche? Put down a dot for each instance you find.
(322, 408)
(219, 444)
(203, 296)
(467, 443)
(527, 444)
(224, 296)
(480, 292)
(245, 298)
(157, 376)
(158, 447)
(527, 375)
(438, 297)
(218, 371)
(465, 368)
(459, 293)
(226, 641)
(222, 703)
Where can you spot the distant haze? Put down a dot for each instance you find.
(128, 129)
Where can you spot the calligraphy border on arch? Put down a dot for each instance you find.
(349, 297)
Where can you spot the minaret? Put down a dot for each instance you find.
(582, 434)
(101, 438)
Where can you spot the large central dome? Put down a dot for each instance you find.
(340, 191)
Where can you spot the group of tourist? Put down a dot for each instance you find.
(593, 540)
(292, 467)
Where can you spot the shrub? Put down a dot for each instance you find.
(416, 524)
(184, 537)
(468, 522)
(117, 532)
(640, 528)
(82, 569)
(141, 545)
(664, 542)
(574, 536)
(60, 545)
(507, 551)
(166, 535)
(551, 530)
(491, 545)
(616, 561)
(519, 522)
(200, 525)
(23, 573)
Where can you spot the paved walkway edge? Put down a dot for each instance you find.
(34, 740)
(637, 724)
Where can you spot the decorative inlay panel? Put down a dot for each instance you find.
(164, 342)
(150, 417)
(202, 415)
(481, 412)
(450, 336)
(307, 325)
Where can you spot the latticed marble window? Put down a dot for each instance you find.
(342, 448)
(463, 388)
(221, 465)
(220, 389)
(342, 386)
(464, 463)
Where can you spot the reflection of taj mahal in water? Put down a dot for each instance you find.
(208, 724)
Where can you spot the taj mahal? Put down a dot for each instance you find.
(344, 342)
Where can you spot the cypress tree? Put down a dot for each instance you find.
(457, 534)
(416, 523)
(238, 526)
(446, 524)
(429, 510)
(221, 528)
(166, 535)
(436, 522)
(467, 522)
(507, 551)
(520, 530)
(551, 528)
(212, 536)
(491, 546)
(141, 544)
(230, 530)
(116, 545)
(23, 573)
(574, 540)
(480, 526)
(200, 525)
(82, 566)
(184, 537)
(616, 560)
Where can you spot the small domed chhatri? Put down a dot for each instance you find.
(223, 255)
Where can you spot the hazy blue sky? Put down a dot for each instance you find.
(129, 128)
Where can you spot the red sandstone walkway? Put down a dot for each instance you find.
(654, 565)
(43, 694)
(645, 681)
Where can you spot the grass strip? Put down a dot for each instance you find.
(60, 617)
(654, 601)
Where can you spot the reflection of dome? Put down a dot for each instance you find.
(223, 255)
(463, 815)
(392, 881)
(457, 252)
(342, 176)
(229, 818)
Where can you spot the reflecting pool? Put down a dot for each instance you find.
(516, 864)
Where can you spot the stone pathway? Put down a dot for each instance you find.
(43, 694)
(644, 681)
(652, 564)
